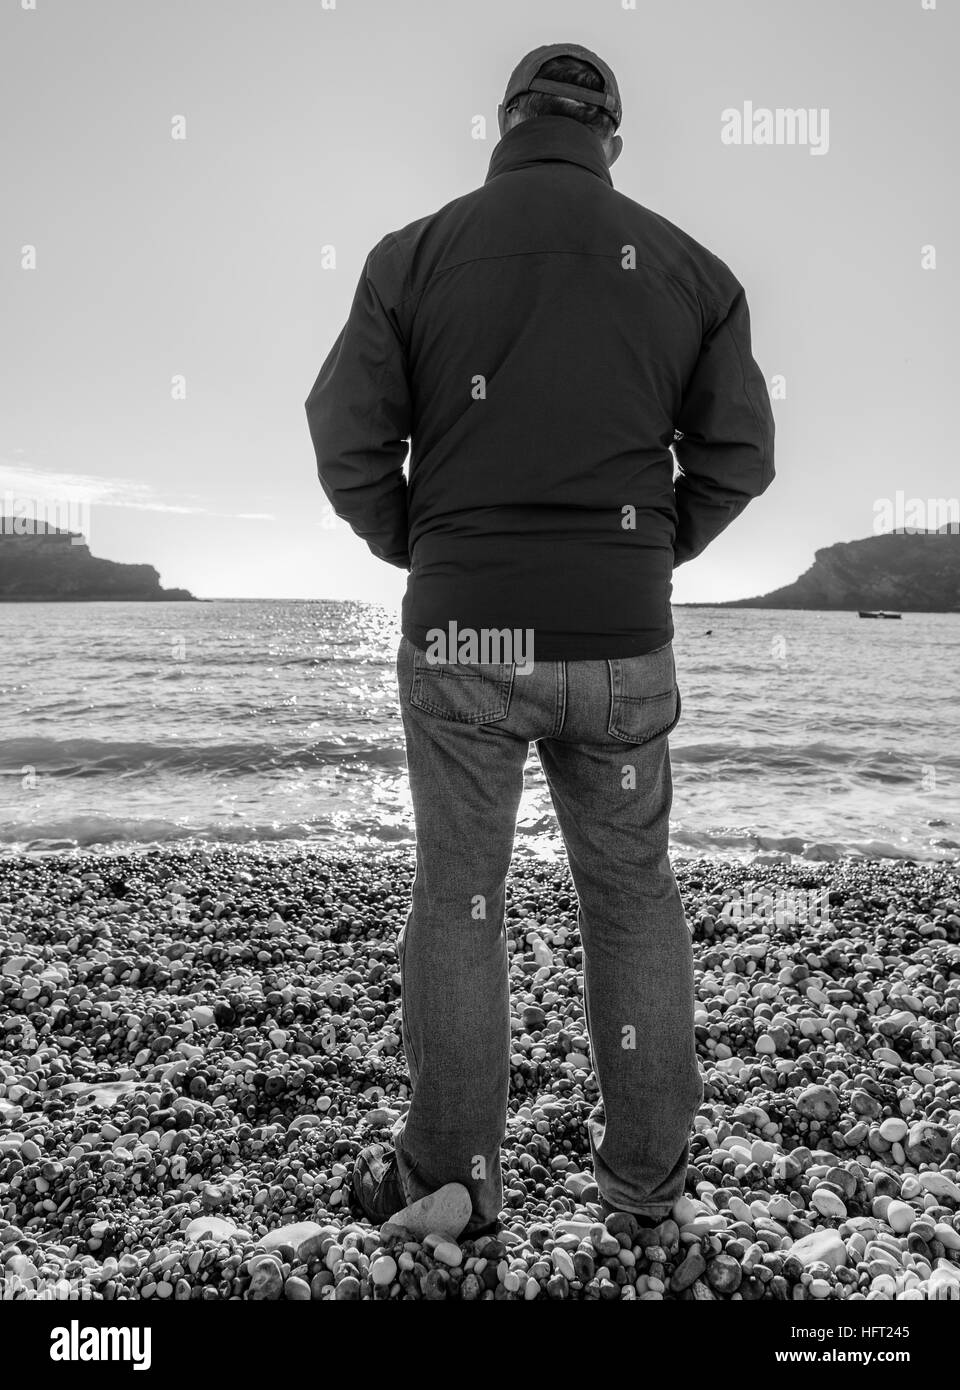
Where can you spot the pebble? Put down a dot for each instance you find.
(818, 1103)
(449, 1253)
(827, 1203)
(899, 1217)
(724, 1274)
(823, 1247)
(202, 1227)
(893, 1130)
(447, 1210)
(296, 1234)
(940, 1186)
(948, 1236)
(266, 1282)
(691, 1267)
(226, 1064)
(383, 1271)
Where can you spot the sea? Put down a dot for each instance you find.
(257, 722)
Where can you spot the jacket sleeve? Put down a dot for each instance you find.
(726, 432)
(359, 413)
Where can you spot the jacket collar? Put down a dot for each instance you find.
(544, 138)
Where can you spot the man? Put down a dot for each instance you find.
(544, 342)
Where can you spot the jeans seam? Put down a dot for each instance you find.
(561, 697)
(404, 1016)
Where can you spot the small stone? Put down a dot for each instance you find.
(622, 1223)
(701, 1292)
(666, 1235)
(893, 1130)
(820, 1247)
(940, 1186)
(383, 1115)
(786, 1168)
(724, 1274)
(818, 1103)
(212, 1195)
(691, 1268)
(947, 1236)
(447, 1210)
(900, 1217)
(927, 1143)
(827, 1203)
(686, 1209)
(303, 1122)
(217, 1227)
(448, 1253)
(296, 1234)
(383, 1271)
(267, 1280)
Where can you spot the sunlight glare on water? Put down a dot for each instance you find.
(255, 720)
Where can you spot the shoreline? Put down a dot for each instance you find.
(202, 1039)
(736, 851)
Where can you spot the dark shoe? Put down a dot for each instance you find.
(375, 1187)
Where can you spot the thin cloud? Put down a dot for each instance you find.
(20, 483)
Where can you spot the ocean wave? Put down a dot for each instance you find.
(82, 831)
(879, 764)
(83, 757)
(355, 654)
(91, 757)
(828, 848)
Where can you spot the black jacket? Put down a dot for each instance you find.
(543, 341)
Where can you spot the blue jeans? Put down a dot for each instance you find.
(600, 729)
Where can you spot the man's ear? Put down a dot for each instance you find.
(500, 118)
(617, 144)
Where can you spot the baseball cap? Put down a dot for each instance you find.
(524, 79)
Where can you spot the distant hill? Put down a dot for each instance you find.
(911, 571)
(49, 565)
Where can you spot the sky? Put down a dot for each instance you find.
(159, 343)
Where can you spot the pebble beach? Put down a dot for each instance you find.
(197, 1043)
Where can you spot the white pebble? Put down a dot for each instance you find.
(893, 1129)
(900, 1217)
(383, 1271)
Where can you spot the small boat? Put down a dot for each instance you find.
(877, 613)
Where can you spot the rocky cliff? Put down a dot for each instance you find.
(911, 571)
(44, 564)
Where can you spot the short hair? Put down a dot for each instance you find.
(580, 74)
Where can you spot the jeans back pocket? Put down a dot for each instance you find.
(466, 693)
(644, 697)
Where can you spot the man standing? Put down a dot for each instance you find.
(544, 342)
